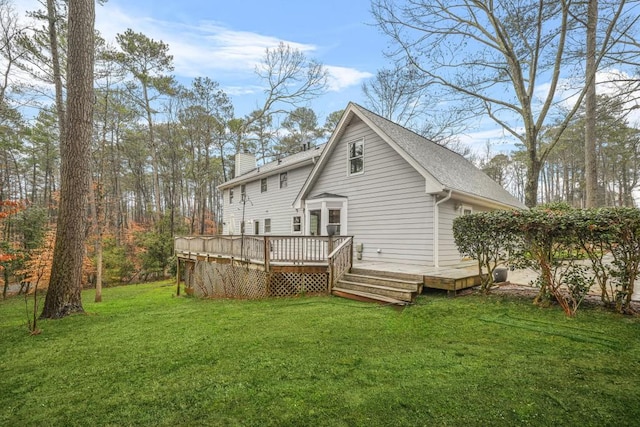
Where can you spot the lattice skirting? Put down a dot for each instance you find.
(224, 280)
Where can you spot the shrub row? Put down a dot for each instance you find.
(571, 249)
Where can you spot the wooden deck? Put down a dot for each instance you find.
(452, 278)
(314, 254)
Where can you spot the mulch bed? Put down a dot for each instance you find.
(529, 292)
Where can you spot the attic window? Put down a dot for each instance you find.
(283, 180)
(356, 157)
(230, 195)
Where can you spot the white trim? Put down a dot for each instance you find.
(286, 174)
(436, 227)
(361, 172)
(301, 224)
(323, 205)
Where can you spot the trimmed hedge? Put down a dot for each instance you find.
(571, 249)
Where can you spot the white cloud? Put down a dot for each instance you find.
(207, 48)
(343, 77)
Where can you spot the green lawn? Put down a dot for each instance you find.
(145, 357)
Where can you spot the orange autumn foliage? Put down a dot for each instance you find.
(8, 208)
(37, 270)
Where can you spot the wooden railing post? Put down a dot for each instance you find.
(351, 254)
(330, 261)
(330, 245)
(267, 253)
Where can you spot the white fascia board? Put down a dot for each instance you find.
(337, 133)
(482, 201)
(263, 174)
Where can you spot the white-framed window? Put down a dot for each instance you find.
(283, 180)
(263, 185)
(243, 192)
(256, 227)
(356, 156)
(267, 225)
(296, 225)
(334, 219)
(230, 195)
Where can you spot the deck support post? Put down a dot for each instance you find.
(267, 253)
(178, 276)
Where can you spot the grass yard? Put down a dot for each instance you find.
(144, 357)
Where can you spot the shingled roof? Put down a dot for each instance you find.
(451, 169)
(280, 165)
(444, 169)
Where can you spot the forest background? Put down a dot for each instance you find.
(162, 146)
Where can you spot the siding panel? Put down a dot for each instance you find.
(387, 205)
(448, 251)
(275, 204)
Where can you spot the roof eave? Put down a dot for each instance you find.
(246, 179)
(328, 149)
(484, 201)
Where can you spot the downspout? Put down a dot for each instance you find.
(436, 224)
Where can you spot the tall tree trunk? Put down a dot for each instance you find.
(590, 161)
(533, 175)
(154, 157)
(96, 206)
(64, 296)
(52, 16)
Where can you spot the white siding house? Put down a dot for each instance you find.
(396, 192)
(269, 191)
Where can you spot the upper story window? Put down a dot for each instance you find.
(263, 185)
(243, 191)
(356, 156)
(230, 195)
(283, 180)
(267, 225)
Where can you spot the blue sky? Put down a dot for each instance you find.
(225, 40)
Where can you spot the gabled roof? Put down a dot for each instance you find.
(284, 164)
(443, 169)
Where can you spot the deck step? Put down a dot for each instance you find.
(387, 291)
(367, 297)
(410, 285)
(389, 274)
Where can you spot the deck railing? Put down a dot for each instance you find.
(340, 261)
(263, 249)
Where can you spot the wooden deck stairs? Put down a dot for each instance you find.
(379, 286)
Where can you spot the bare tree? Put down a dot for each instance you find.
(590, 160)
(64, 296)
(10, 33)
(291, 78)
(397, 94)
(505, 60)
